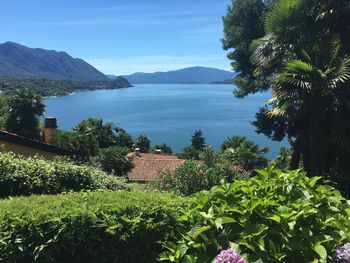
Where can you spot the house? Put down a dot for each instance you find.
(148, 165)
(28, 147)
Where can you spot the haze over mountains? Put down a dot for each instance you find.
(21, 61)
(191, 75)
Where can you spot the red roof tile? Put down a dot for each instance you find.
(149, 165)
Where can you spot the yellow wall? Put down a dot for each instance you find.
(24, 150)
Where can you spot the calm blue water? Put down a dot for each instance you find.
(166, 113)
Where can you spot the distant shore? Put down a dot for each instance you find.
(55, 88)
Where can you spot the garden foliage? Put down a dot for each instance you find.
(195, 176)
(27, 176)
(114, 160)
(86, 227)
(272, 217)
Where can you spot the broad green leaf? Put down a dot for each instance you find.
(321, 251)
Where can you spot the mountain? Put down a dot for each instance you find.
(192, 75)
(21, 61)
(112, 76)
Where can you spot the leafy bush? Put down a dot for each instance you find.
(86, 227)
(189, 153)
(272, 217)
(27, 176)
(195, 176)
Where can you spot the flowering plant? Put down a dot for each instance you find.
(342, 254)
(229, 256)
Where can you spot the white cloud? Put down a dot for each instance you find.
(131, 65)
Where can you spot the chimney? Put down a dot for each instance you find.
(137, 152)
(50, 131)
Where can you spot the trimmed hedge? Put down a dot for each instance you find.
(87, 227)
(27, 176)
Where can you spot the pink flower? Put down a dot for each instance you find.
(229, 256)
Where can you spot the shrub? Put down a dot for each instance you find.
(27, 176)
(272, 217)
(189, 153)
(195, 176)
(86, 227)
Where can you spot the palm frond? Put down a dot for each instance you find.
(281, 16)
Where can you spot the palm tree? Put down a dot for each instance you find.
(240, 150)
(311, 69)
(25, 109)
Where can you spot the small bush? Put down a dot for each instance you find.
(195, 176)
(272, 217)
(27, 176)
(86, 227)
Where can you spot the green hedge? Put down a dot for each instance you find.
(84, 227)
(27, 176)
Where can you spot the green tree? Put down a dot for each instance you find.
(114, 160)
(311, 80)
(4, 109)
(241, 151)
(83, 146)
(282, 160)
(198, 141)
(122, 138)
(25, 109)
(304, 55)
(93, 134)
(243, 23)
(143, 143)
(189, 153)
(103, 132)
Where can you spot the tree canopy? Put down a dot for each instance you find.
(198, 141)
(4, 109)
(303, 55)
(143, 143)
(241, 151)
(25, 109)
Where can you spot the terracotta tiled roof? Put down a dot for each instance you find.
(147, 166)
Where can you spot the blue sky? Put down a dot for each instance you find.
(121, 37)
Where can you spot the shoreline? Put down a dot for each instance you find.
(79, 91)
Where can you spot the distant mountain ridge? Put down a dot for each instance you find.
(20, 61)
(191, 75)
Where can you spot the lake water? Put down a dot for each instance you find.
(167, 113)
